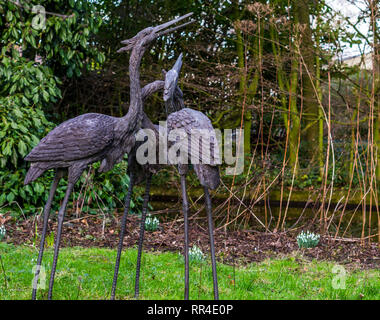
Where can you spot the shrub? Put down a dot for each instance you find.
(33, 63)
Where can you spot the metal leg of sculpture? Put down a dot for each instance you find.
(212, 248)
(185, 208)
(141, 237)
(122, 233)
(61, 215)
(47, 208)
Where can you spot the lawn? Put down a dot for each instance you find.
(86, 273)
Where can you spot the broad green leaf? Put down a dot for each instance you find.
(32, 41)
(45, 95)
(17, 111)
(35, 98)
(3, 197)
(22, 148)
(10, 197)
(14, 157)
(22, 128)
(14, 33)
(13, 88)
(37, 122)
(9, 15)
(25, 100)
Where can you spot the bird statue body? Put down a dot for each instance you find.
(197, 125)
(75, 144)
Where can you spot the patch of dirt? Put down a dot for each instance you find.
(231, 247)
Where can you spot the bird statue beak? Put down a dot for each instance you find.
(178, 64)
(159, 30)
(174, 21)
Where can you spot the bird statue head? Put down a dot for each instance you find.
(147, 35)
(171, 79)
(173, 96)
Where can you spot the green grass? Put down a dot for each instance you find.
(86, 273)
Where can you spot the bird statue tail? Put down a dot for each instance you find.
(208, 175)
(33, 173)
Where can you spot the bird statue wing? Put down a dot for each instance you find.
(198, 130)
(75, 139)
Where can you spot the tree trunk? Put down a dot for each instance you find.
(375, 13)
(247, 83)
(294, 115)
(376, 87)
(310, 102)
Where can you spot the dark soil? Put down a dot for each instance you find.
(231, 247)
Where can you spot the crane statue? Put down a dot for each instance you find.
(207, 172)
(91, 137)
(206, 167)
(138, 173)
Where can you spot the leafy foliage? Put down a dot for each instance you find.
(63, 43)
(21, 127)
(37, 56)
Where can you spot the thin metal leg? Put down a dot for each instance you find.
(47, 208)
(122, 234)
(61, 215)
(141, 238)
(185, 208)
(211, 235)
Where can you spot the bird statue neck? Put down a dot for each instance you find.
(174, 104)
(133, 117)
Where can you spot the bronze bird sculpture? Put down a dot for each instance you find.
(92, 137)
(206, 168)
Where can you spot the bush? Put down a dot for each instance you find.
(33, 63)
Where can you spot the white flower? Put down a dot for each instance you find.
(151, 224)
(196, 254)
(307, 239)
(3, 231)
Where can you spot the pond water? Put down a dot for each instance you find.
(298, 214)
